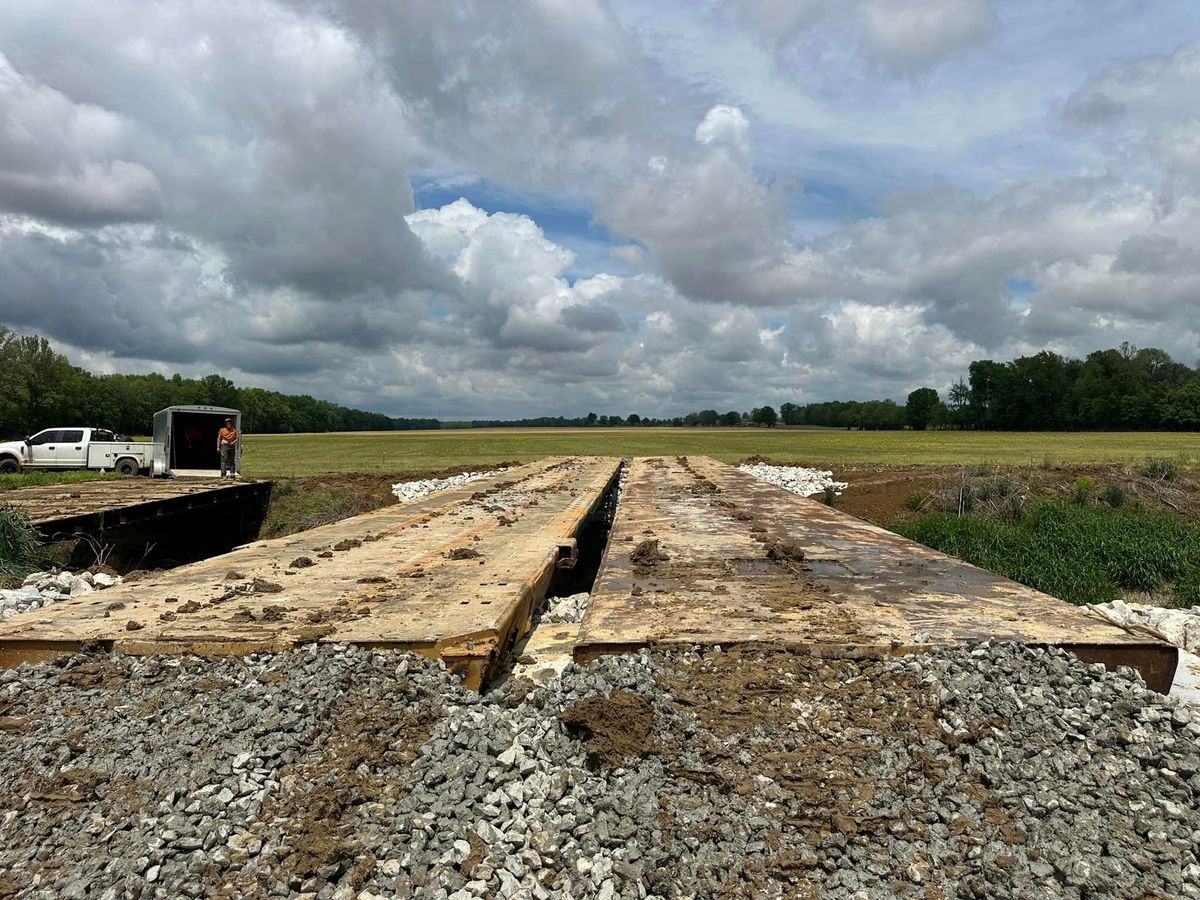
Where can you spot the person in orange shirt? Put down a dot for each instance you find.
(227, 442)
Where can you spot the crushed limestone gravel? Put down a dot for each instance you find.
(797, 479)
(333, 772)
(407, 491)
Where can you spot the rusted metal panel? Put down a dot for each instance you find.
(739, 560)
(454, 576)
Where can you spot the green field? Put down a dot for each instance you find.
(420, 451)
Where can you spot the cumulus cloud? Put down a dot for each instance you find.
(726, 126)
(916, 35)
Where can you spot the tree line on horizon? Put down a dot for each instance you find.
(41, 389)
(1117, 389)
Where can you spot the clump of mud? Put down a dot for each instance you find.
(463, 553)
(616, 729)
(785, 551)
(301, 562)
(647, 553)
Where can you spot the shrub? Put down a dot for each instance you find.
(1161, 469)
(1083, 490)
(1114, 496)
(916, 501)
(830, 496)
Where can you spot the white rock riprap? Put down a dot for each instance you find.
(41, 589)
(406, 491)
(1179, 626)
(796, 479)
(566, 609)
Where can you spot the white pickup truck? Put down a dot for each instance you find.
(78, 448)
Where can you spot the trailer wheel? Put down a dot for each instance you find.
(9, 466)
(127, 467)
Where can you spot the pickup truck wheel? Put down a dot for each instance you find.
(9, 466)
(127, 467)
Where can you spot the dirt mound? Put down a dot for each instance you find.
(616, 728)
(463, 553)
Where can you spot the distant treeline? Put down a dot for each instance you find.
(1121, 389)
(39, 388)
(1125, 389)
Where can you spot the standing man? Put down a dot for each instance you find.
(227, 442)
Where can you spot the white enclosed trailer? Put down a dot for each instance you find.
(188, 435)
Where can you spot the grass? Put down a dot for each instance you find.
(33, 478)
(297, 508)
(1081, 554)
(20, 549)
(268, 456)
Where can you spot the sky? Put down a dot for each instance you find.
(507, 208)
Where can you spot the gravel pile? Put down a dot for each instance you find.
(1179, 626)
(41, 589)
(415, 490)
(796, 479)
(566, 609)
(999, 771)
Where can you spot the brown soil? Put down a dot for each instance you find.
(847, 718)
(262, 586)
(92, 674)
(785, 551)
(880, 493)
(475, 857)
(301, 562)
(647, 553)
(616, 729)
(358, 765)
(463, 553)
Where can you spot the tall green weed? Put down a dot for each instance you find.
(1081, 554)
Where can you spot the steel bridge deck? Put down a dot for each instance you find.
(743, 561)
